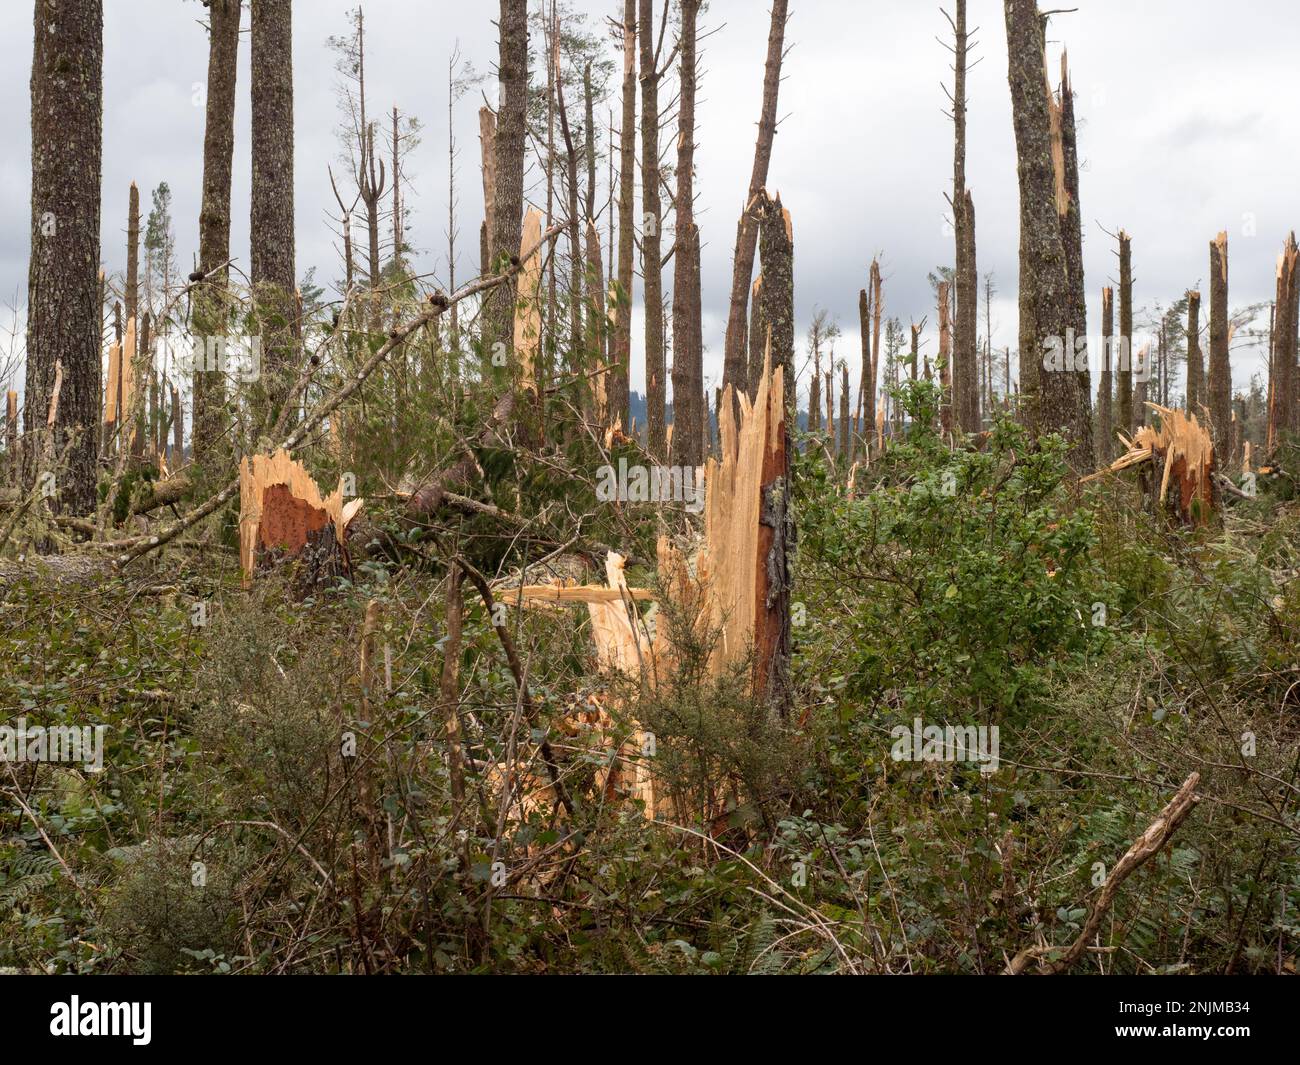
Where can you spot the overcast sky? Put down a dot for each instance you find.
(1187, 126)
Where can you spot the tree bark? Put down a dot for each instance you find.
(1195, 361)
(509, 144)
(846, 426)
(271, 221)
(651, 245)
(1220, 377)
(210, 303)
(1105, 415)
(1051, 398)
(619, 388)
(1284, 413)
(778, 292)
(734, 368)
(965, 374)
(1124, 413)
(63, 298)
(945, 359)
(1072, 239)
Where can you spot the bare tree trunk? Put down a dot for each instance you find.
(132, 294)
(398, 239)
(867, 383)
(63, 306)
(815, 392)
(595, 267)
(211, 308)
(734, 370)
(651, 245)
(778, 292)
(945, 359)
(618, 389)
(1220, 378)
(271, 219)
(487, 138)
(1284, 418)
(688, 340)
(966, 331)
(1195, 361)
(1105, 417)
(846, 426)
(1072, 238)
(509, 143)
(1124, 413)
(575, 232)
(830, 406)
(1051, 397)
(965, 374)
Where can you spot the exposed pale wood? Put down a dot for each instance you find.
(528, 314)
(587, 593)
(1186, 450)
(114, 378)
(261, 473)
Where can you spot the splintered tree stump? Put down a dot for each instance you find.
(283, 516)
(1179, 462)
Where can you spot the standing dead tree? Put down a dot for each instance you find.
(1220, 375)
(778, 289)
(944, 360)
(211, 310)
(734, 371)
(1105, 415)
(617, 389)
(651, 242)
(965, 375)
(1076, 335)
(1282, 376)
(508, 142)
(1124, 412)
(688, 342)
(1195, 362)
(1050, 387)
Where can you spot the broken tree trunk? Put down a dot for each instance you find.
(1283, 412)
(1050, 392)
(1183, 454)
(1076, 335)
(1195, 363)
(283, 513)
(846, 424)
(749, 532)
(867, 384)
(1105, 417)
(1124, 413)
(778, 288)
(1220, 376)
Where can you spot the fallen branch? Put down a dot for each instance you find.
(1145, 847)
